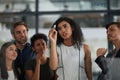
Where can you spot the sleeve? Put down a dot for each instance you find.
(102, 63)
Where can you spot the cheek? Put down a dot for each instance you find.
(119, 36)
(8, 55)
(36, 49)
(16, 36)
(26, 34)
(70, 32)
(116, 34)
(16, 54)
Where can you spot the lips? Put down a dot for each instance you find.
(64, 34)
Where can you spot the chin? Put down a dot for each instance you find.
(13, 59)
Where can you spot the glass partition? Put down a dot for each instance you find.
(91, 15)
(72, 5)
(17, 5)
(115, 4)
(92, 20)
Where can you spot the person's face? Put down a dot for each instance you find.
(113, 33)
(11, 52)
(40, 46)
(65, 30)
(20, 34)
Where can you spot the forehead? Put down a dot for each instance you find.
(12, 46)
(62, 23)
(113, 26)
(40, 41)
(20, 27)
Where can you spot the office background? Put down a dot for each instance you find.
(92, 15)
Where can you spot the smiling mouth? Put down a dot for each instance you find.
(64, 34)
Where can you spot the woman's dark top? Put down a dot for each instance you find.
(45, 72)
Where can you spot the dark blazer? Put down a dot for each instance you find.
(107, 65)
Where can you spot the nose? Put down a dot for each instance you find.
(15, 51)
(22, 34)
(63, 30)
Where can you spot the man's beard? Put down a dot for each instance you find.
(22, 41)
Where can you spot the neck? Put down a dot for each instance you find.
(68, 42)
(20, 46)
(9, 64)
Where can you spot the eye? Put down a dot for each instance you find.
(11, 49)
(111, 29)
(38, 44)
(18, 32)
(65, 25)
(43, 44)
(24, 31)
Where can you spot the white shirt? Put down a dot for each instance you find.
(11, 75)
(69, 63)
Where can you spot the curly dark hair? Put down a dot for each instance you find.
(77, 35)
(38, 36)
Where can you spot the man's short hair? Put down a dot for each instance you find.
(16, 24)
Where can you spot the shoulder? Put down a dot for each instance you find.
(28, 50)
(28, 44)
(86, 49)
(28, 47)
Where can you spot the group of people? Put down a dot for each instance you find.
(70, 58)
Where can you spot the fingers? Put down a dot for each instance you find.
(52, 34)
(101, 51)
(38, 58)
